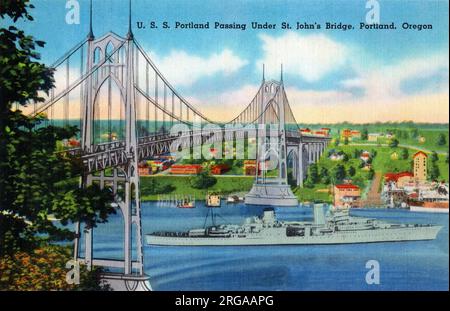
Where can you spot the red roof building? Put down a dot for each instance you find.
(186, 169)
(219, 169)
(346, 195)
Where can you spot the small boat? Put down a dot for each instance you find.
(234, 199)
(186, 203)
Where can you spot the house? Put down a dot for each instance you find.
(346, 195)
(365, 156)
(420, 166)
(327, 130)
(400, 179)
(336, 156)
(190, 169)
(373, 137)
(389, 135)
(305, 131)
(143, 169)
(321, 133)
(250, 167)
(219, 169)
(356, 134)
(346, 133)
(350, 134)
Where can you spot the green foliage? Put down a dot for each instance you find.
(441, 140)
(345, 157)
(202, 181)
(393, 143)
(364, 134)
(346, 141)
(312, 176)
(339, 173)
(434, 172)
(371, 174)
(35, 182)
(154, 186)
(434, 157)
(404, 153)
(351, 171)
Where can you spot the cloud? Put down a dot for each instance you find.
(183, 69)
(382, 97)
(309, 56)
(226, 105)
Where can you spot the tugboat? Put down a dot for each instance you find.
(335, 227)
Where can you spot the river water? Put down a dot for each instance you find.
(417, 265)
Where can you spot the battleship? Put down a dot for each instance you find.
(333, 227)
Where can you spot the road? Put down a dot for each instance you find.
(401, 146)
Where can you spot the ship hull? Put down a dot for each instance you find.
(344, 237)
(423, 209)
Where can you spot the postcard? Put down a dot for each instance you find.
(206, 146)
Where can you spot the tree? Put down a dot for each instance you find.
(203, 181)
(441, 140)
(393, 143)
(404, 154)
(371, 174)
(434, 172)
(339, 173)
(324, 176)
(337, 142)
(345, 158)
(35, 182)
(364, 134)
(346, 141)
(434, 157)
(351, 171)
(313, 175)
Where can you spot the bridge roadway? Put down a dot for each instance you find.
(113, 154)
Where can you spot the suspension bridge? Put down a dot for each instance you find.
(127, 111)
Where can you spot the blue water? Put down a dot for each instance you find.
(420, 265)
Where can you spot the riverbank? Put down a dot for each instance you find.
(180, 185)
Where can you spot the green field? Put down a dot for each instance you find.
(224, 185)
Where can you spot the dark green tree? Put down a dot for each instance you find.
(346, 141)
(404, 154)
(345, 157)
(371, 174)
(35, 182)
(393, 143)
(203, 181)
(351, 171)
(441, 140)
(434, 172)
(434, 157)
(339, 173)
(313, 175)
(364, 134)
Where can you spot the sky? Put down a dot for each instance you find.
(330, 76)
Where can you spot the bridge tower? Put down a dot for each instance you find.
(272, 152)
(122, 180)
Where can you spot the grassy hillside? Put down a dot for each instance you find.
(182, 186)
